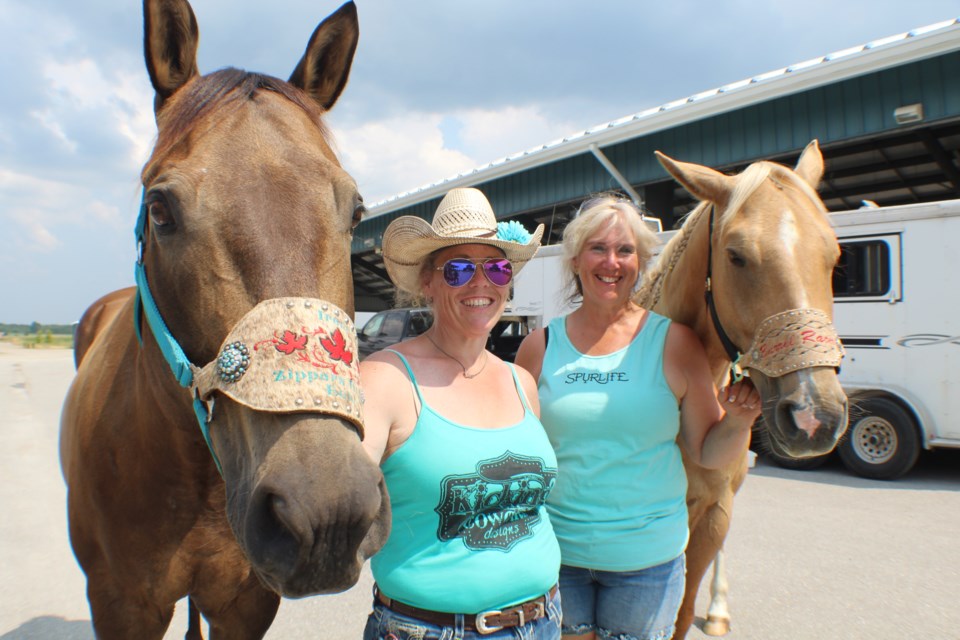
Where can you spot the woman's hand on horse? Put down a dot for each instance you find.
(740, 400)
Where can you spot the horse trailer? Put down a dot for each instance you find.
(895, 308)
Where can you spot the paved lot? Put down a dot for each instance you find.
(812, 554)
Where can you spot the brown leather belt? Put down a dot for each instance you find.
(486, 622)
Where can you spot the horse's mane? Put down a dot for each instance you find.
(753, 176)
(223, 89)
(747, 183)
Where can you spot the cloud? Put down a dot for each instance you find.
(388, 156)
(402, 153)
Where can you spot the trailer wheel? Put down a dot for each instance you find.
(882, 441)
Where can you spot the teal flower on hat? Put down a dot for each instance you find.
(512, 231)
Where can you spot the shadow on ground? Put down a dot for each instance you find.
(48, 627)
(937, 470)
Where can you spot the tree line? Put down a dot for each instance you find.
(35, 328)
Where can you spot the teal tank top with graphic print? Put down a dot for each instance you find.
(620, 499)
(470, 530)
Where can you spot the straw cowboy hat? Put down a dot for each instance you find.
(463, 217)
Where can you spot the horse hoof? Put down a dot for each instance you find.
(716, 626)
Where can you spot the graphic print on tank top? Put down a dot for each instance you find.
(498, 506)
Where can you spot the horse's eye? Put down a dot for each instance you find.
(359, 210)
(735, 258)
(161, 218)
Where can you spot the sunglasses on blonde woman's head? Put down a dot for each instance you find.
(459, 271)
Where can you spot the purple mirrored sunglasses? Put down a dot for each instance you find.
(459, 271)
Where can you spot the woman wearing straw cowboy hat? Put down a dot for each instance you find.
(456, 431)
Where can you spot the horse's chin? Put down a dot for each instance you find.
(805, 412)
(307, 582)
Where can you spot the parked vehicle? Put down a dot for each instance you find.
(896, 310)
(390, 327)
(387, 328)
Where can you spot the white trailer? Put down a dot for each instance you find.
(897, 310)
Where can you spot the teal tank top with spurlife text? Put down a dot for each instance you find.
(620, 499)
(470, 530)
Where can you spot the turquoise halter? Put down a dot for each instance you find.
(180, 365)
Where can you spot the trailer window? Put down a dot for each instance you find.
(863, 269)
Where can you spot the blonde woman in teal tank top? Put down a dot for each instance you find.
(618, 385)
(456, 431)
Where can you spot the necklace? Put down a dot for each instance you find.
(465, 374)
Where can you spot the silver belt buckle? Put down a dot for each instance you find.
(481, 621)
(541, 611)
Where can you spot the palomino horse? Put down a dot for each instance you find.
(761, 246)
(243, 263)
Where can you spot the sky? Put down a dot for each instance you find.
(437, 87)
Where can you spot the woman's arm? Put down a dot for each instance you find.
(715, 426)
(379, 384)
(530, 353)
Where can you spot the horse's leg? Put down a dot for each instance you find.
(194, 630)
(119, 614)
(718, 615)
(246, 617)
(706, 538)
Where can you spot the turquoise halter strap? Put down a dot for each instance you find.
(180, 365)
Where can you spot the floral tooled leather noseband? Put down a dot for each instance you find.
(792, 340)
(288, 355)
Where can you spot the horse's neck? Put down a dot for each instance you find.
(166, 420)
(683, 287)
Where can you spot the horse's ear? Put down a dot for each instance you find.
(810, 165)
(325, 67)
(170, 37)
(702, 182)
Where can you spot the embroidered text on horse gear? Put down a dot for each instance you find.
(289, 355)
(792, 340)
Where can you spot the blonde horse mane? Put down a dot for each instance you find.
(747, 182)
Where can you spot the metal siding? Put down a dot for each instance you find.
(871, 92)
(930, 79)
(852, 109)
(708, 138)
(911, 90)
(836, 122)
(800, 133)
(817, 110)
(767, 117)
(950, 71)
(889, 96)
(783, 132)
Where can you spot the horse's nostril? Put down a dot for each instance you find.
(805, 418)
(277, 510)
(274, 532)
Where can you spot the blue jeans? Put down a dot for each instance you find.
(626, 605)
(384, 624)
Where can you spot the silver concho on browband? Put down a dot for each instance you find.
(792, 340)
(289, 355)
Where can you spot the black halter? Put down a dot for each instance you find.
(733, 352)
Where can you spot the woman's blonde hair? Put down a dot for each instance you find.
(596, 214)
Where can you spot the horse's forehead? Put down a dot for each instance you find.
(266, 130)
(779, 210)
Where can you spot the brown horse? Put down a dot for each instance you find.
(243, 263)
(762, 245)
